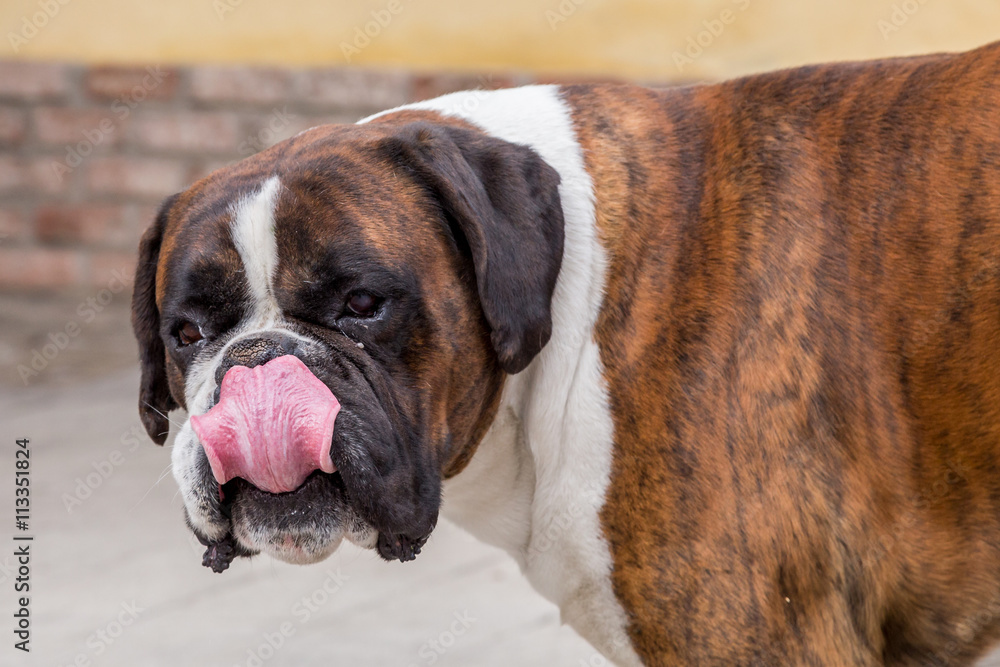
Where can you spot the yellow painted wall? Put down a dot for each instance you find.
(624, 38)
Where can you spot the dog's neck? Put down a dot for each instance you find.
(549, 445)
(492, 497)
(536, 485)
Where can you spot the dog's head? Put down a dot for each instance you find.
(397, 269)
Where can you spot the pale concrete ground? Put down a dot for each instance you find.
(124, 547)
(126, 544)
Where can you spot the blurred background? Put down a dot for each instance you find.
(106, 107)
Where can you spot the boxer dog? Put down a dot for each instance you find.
(719, 366)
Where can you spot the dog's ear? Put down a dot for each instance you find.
(155, 400)
(504, 200)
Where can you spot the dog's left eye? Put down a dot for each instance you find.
(362, 304)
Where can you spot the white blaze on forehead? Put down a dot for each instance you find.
(252, 228)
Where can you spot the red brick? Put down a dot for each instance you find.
(33, 80)
(264, 131)
(240, 84)
(13, 174)
(51, 175)
(92, 224)
(200, 170)
(195, 131)
(427, 86)
(550, 78)
(366, 90)
(141, 177)
(26, 175)
(142, 216)
(39, 267)
(12, 124)
(60, 125)
(111, 270)
(131, 84)
(13, 226)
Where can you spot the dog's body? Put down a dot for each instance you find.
(755, 419)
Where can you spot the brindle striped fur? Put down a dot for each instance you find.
(801, 339)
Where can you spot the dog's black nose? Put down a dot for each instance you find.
(254, 351)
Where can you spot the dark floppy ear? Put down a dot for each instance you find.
(155, 400)
(504, 199)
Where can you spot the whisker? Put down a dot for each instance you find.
(165, 416)
(163, 475)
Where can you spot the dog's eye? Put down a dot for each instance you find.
(362, 304)
(189, 333)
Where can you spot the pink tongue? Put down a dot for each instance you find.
(272, 426)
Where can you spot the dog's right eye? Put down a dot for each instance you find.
(362, 304)
(188, 333)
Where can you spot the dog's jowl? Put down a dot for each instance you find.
(718, 365)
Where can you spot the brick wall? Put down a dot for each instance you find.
(87, 153)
